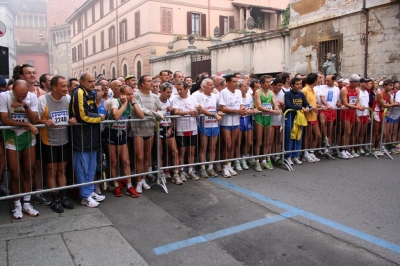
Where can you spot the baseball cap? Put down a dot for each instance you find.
(129, 77)
(3, 82)
(365, 80)
(354, 78)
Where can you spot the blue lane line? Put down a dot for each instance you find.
(222, 233)
(369, 238)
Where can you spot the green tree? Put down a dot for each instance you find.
(286, 17)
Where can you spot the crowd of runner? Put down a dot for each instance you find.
(227, 123)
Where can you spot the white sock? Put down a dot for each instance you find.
(305, 153)
(27, 198)
(129, 185)
(17, 203)
(264, 161)
(210, 166)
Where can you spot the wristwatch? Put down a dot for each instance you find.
(133, 104)
(26, 107)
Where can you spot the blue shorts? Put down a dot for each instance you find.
(391, 120)
(209, 131)
(245, 123)
(230, 128)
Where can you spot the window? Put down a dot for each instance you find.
(223, 25)
(86, 48)
(111, 5)
(93, 15)
(139, 69)
(324, 47)
(101, 9)
(74, 54)
(30, 62)
(125, 70)
(102, 40)
(79, 24)
(85, 19)
(94, 43)
(111, 36)
(104, 72)
(137, 24)
(123, 33)
(113, 72)
(79, 51)
(166, 20)
(196, 24)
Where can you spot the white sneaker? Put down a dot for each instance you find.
(231, 171)
(308, 158)
(314, 157)
(193, 176)
(289, 159)
(97, 197)
(355, 155)
(144, 184)
(183, 176)
(139, 187)
(89, 202)
(296, 160)
(17, 212)
(343, 155)
(349, 154)
(225, 173)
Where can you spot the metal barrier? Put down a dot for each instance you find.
(37, 178)
(389, 132)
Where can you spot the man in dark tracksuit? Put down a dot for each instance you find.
(86, 138)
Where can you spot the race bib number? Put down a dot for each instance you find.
(352, 100)
(20, 117)
(167, 121)
(210, 121)
(267, 106)
(120, 125)
(59, 117)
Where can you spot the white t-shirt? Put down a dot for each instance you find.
(318, 91)
(332, 94)
(231, 101)
(277, 119)
(199, 95)
(167, 121)
(185, 124)
(248, 101)
(210, 103)
(364, 100)
(19, 113)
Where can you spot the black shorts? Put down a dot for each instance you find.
(54, 154)
(183, 141)
(114, 137)
(163, 132)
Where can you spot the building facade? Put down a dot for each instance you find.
(117, 37)
(7, 16)
(364, 34)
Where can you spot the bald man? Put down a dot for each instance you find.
(86, 138)
(19, 108)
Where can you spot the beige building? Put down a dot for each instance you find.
(365, 35)
(118, 37)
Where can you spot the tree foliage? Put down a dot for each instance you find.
(286, 17)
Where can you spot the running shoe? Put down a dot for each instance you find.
(193, 176)
(393, 151)
(39, 198)
(56, 206)
(251, 162)
(244, 165)
(3, 190)
(144, 184)
(296, 160)
(326, 143)
(151, 177)
(289, 160)
(355, 155)
(89, 202)
(17, 212)
(257, 167)
(131, 192)
(225, 173)
(398, 147)
(349, 154)
(361, 152)
(139, 187)
(314, 157)
(267, 165)
(167, 173)
(28, 209)
(203, 173)
(212, 173)
(343, 155)
(117, 191)
(183, 176)
(231, 171)
(176, 179)
(97, 197)
(308, 158)
(67, 204)
(218, 167)
(327, 155)
(238, 167)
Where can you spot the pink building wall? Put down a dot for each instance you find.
(40, 61)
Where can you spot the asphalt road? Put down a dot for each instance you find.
(342, 212)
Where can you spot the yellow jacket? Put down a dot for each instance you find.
(299, 122)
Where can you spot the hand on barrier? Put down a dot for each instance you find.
(33, 129)
(72, 121)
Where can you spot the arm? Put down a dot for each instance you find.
(137, 111)
(7, 121)
(117, 112)
(379, 99)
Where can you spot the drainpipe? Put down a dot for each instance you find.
(366, 12)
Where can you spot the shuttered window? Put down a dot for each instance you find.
(166, 20)
(137, 24)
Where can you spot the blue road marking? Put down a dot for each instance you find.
(222, 233)
(369, 238)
